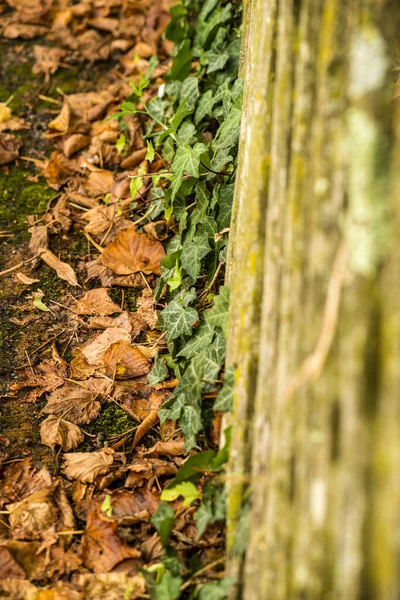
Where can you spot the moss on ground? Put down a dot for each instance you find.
(111, 420)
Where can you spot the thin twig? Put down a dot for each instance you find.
(18, 266)
(190, 581)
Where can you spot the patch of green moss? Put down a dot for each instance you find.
(112, 419)
(20, 197)
(77, 245)
(130, 298)
(50, 284)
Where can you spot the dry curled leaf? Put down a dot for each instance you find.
(39, 238)
(86, 466)
(9, 148)
(97, 302)
(63, 270)
(55, 431)
(102, 548)
(78, 402)
(111, 586)
(61, 123)
(123, 361)
(94, 349)
(75, 142)
(25, 279)
(171, 448)
(132, 252)
(32, 516)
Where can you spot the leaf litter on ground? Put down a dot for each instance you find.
(104, 170)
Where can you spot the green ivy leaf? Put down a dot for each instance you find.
(217, 590)
(158, 373)
(182, 61)
(169, 587)
(178, 320)
(199, 341)
(218, 315)
(120, 143)
(224, 400)
(186, 161)
(163, 520)
(193, 252)
(228, 133)
(106, 506)
(135, 185)
(150, 152)
(204, 106)
(175, 281)
(186, 489)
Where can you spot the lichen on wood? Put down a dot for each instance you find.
(314, 323)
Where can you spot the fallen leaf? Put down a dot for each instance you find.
(9, 148)
(63, 270)
(121, 321)
(99, 182)
(98, 302)
(61, 122)
(39, 238)
(47, 60)
(94, 349)
(5, 112)
(171, 448)
(86, 466)
(32, 516)
(143, 469)
(111, 586)
(78, 402)
(123, 361)
(55, 431)
(21, 30)
(132, 252)
(102, 548)
(75, 142)
(9, 568)
(25, 279)
(12, 588)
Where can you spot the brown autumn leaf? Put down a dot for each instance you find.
(8, 567)
(9, 148)
(31, 11)
(105, 322)
(12, 585)
(111, 586)
(55, 431)
(123, 361)
(99, 182)
(61, 123)
(143, 469)
(146, 308)
(25, 279)
(96, 302)
(23, 30)
(170, 448)
(132, 252)
(47, 60)
(94, 349)
(147, 408)
(31, 517)
(78, 402)
(63, 270)
(39, 238)
(102, 548)
(74, 143)
(143, 502)
(86, 466)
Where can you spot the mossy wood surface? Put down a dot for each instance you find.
(315, 315)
